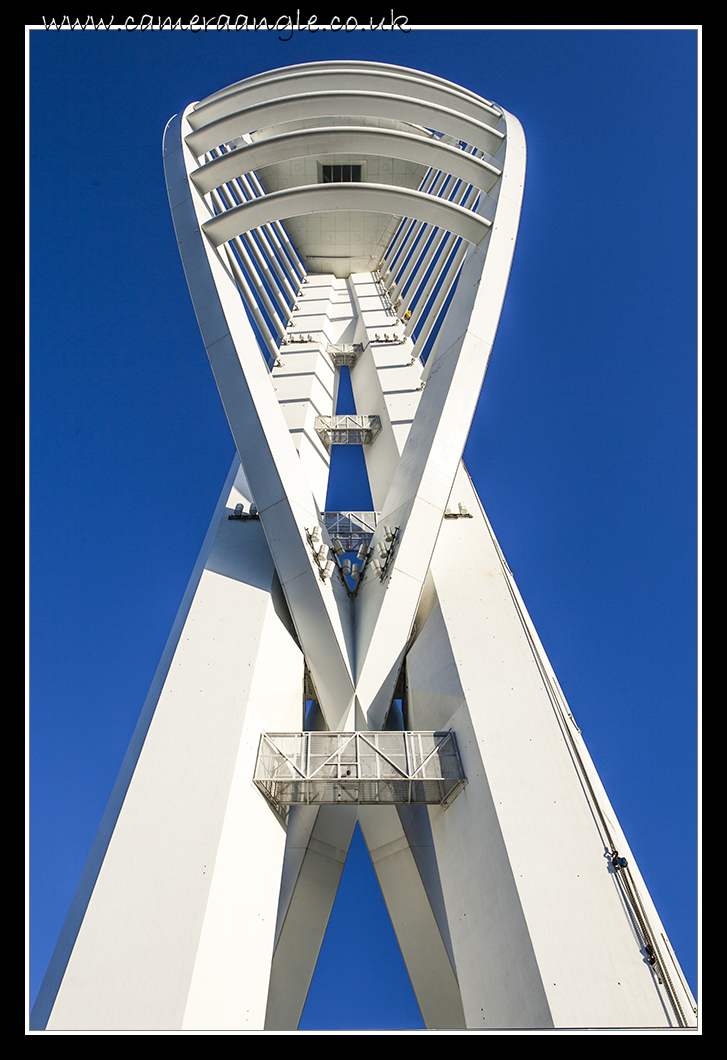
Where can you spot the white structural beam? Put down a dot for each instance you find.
(539, 835)
(316, 850)
(423, 478)
(157, 938)
(282, 494)
(372, 198)
(517, 904)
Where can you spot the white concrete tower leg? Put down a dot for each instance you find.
(399, 843)
(174, 921)
(542, 929)
(317, 846)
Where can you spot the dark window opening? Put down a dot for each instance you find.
(340, 174)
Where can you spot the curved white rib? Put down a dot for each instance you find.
(343, 139)
(360, 66)
(322, 198)
(342, 104)
(370, 79)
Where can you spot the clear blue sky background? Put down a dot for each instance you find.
(583, 449)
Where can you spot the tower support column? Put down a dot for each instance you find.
(543, 933)
(175, 927)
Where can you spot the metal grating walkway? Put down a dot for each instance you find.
(347, 430)
(364, 768)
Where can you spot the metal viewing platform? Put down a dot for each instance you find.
(347, 430)
(345, 354)
(352, 529)
(363, 768)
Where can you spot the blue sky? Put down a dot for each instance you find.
(584, 448)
